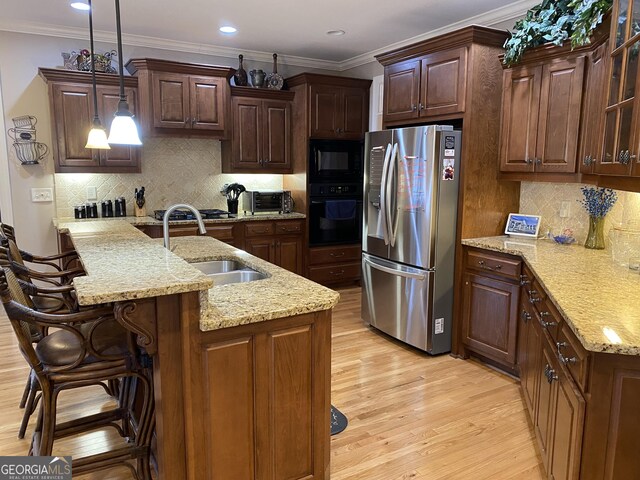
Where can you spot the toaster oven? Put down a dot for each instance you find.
(267, 201)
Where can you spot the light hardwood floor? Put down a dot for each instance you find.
(411, 416)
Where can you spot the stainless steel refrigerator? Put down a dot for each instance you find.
(410, 206)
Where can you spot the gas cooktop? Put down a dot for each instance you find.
(207, 213)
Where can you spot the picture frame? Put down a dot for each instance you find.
(522, 225)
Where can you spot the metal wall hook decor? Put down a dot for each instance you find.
(28, 150)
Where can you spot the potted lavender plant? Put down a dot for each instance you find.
(597, 202)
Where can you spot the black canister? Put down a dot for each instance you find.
(80, 211)
(92, 210)
(107, 209)
(121, 207)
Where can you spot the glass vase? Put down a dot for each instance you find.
(595, 236)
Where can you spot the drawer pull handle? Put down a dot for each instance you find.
(545, 324)
(341, 254)
(525, 316)
(285, 229)
(524, 280)
(565, 360)
(337, 274)
(261, 231)
(486, 267)
(550, 373)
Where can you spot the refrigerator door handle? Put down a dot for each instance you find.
(389, 179)
(383, 195)
(393, 271)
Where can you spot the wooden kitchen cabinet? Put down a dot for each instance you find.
(490, 306)
(280, 243)
(182, 98)
(71, 103)
(261, 134)
(430, 86)
(335, 108)
(541, 116)
(335, 264)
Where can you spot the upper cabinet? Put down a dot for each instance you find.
(181, 98)
(430, 86)
(71, 103)
(541, 116)
(261, 132)
(338, 107)
(621, 140)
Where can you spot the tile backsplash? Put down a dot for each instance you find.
(545, 199)
(174, 170)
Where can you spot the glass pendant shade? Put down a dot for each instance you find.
(97, 138)
(124, 131)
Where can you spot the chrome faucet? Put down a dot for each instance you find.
(165, 221)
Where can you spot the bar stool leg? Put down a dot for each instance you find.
(27, 391)
(49, 401)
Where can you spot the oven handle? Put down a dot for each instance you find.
(393, 271)
(383, 195)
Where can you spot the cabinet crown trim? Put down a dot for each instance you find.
(316, 78)
(71, 76)
(464, 36)
(265, 93)
(136, 64)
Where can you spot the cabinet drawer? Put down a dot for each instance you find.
(497, 264)
(288, 227)
(259, 228)
(572, 355)
(221, 232)
(325, 255)
(334, 274)
(548, 316)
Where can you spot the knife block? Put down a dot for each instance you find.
(139, 212)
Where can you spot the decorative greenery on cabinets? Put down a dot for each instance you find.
(555, 21)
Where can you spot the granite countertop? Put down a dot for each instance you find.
(122, 263)
(597, 298)
(282, 294)
(147, 221)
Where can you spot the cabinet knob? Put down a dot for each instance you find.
(538, 161)
(193, 121)
(528, 161)
(414, 108)
(587, 160)
(550, 373)
(187, 120)
(421, 107)
(526, 316)
(266, 160)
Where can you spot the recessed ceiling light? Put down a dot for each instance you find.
(228, 29)
(336, 33)
(80, 5)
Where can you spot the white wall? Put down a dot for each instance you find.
(6, 210)
(25, 93)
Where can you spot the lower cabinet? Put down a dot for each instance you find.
(335, 264)
(490, 306)
(286, 252)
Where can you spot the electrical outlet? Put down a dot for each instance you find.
(565, 209)
(92, 193)
(42, 194)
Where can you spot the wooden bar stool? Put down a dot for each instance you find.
(87, 347)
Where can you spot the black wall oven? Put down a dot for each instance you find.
(335, 214)
(333, 161)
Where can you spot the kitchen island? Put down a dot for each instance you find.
(241, 371)
(567, 320)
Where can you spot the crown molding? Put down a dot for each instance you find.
(493, 17)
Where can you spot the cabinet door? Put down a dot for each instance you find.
(170, 100)
(263, 248)
(529, 347)
(566, 446)
(543, 419)
(490, 313)
(594, 106)
(206, 101)
(72, 116)
(325, 108)
(401, 91)
(289, 254)
(247, 134)
(276, 124)
(520, 108)
(444, 80)
(559, 121)
(121, 157)
(354, 114)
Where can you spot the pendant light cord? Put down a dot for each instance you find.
(123, 97)
(96, 119)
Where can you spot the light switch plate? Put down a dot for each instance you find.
(42, 195)
(565, 210)
(92, 193)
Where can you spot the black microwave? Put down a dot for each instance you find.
(335, 160)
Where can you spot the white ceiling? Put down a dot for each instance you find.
(293, 29)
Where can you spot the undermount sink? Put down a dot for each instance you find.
(224, 272)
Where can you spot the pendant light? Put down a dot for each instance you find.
(97, 135)
(123, 129)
